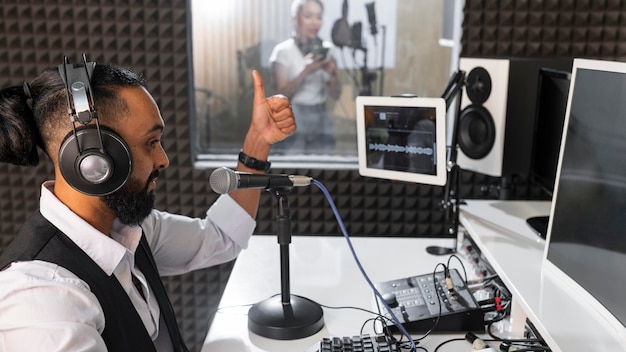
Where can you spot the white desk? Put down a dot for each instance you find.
(322, 269)
(565, 320)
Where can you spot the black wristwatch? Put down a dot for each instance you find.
(253, 163)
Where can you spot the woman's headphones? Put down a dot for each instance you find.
(94, 160)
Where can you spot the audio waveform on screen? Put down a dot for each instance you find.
(381, 147)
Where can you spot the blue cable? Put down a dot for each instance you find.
(358, 263)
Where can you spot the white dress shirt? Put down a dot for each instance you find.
(44, 307)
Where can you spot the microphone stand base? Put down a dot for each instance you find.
(274, 319)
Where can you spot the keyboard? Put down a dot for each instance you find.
(364, 343)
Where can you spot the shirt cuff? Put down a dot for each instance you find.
(232, 219)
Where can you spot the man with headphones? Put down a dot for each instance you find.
(83, 273)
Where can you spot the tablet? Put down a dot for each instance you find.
(402, 138)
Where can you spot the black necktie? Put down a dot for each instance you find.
(138, 286)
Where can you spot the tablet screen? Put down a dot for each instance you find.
(402, 138)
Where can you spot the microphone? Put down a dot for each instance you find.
(225, 180)
(371, 15)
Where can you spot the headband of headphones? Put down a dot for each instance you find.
(77, 82)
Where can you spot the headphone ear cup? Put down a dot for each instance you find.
(88, 169)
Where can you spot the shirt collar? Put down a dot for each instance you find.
(106, 251)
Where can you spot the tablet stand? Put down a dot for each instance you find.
(455, 84)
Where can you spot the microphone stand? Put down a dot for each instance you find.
(381, 79)
(366, 76)
(451, 91)
(285, 316)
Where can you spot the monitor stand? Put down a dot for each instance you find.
(539, 224)
(436, 250)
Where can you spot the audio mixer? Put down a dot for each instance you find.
(425, 302)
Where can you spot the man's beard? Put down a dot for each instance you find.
(132, 203)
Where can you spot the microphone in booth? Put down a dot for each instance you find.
(225, 180)
(371, 16)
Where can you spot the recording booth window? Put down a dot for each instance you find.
(382, 48)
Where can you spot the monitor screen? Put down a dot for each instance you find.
(552, 91)
(402, 138)
(587, 230)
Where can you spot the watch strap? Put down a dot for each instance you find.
(254, 163)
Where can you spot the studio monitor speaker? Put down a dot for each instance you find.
(496, 122)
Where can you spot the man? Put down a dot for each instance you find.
(82, 275)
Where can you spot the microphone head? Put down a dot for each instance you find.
(223, 180)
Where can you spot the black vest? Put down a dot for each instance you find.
(124, 331)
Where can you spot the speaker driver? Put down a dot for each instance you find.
(478, 85)
(477, 131)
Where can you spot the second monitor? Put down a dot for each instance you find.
(402, 138)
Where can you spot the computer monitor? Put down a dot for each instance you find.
(402, 138)
(552, 92)
(586, 244)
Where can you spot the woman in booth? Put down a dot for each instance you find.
(305, 71)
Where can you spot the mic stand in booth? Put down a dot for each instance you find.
(455, 84)
(367, 77)
(285, 316)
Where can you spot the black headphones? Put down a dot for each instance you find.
(93, 159)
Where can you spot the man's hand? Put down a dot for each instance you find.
(272, 117)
